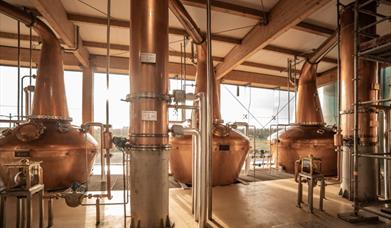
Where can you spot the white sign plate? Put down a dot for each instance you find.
(146, 57)
(149, 115)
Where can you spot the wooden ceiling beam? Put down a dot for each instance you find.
(181, 32)
(120, 65)
(256, 14)
(122, 47)
(10, 54)
(284, 15)
(55, 14)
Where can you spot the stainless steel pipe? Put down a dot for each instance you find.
(210, 107)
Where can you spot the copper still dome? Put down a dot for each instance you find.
(300, 141)
(67, 153)
(228, 155)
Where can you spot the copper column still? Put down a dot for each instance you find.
(67, 153)
(148, 113)
(309, 134)
(230, 147)
(367, 90)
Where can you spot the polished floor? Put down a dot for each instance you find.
(258, 204)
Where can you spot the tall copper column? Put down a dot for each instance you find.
(67, 153)
(367, 90)
(148, 112)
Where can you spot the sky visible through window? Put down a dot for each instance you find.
(246, 104)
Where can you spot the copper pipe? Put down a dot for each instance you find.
(308, 110)
(49, 98)
(193, 30)
(187, 22)
(324, 48)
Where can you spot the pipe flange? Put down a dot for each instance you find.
(148, 135)
(134, 147)
(6, 132)
(221, 130)
(147, 95)
(63, 127)
(73, 199)
(47, 117)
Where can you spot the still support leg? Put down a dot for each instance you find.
(2, 211)
(97, 204)
(299, 193)
(50, 212)
(322, 194)
(310, 195)
(40, 204)
(29, 211)
(18, 212)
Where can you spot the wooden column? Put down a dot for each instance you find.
(88, 95)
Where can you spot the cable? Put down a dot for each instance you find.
(92, 7)
(234, 29)
(244, 107)
(249, 106)
(278, 111)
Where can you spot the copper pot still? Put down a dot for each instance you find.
(230, 147)
(67, 153)
(308, 136)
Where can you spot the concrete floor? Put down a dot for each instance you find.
(259, 204)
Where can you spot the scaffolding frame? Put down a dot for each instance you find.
(371, 54)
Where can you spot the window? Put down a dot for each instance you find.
(74, 92)
(9, 91)
(256, 106)
(118, 109)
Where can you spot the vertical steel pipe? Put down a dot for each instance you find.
(148, 119)
(20, 97)
(356, 47)
(202, 191)
(338, 95)
(209, 102)
(386, 143)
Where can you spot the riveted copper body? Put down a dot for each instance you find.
(300, 141)
(67, 154)
(230, 147)
(309, 135)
